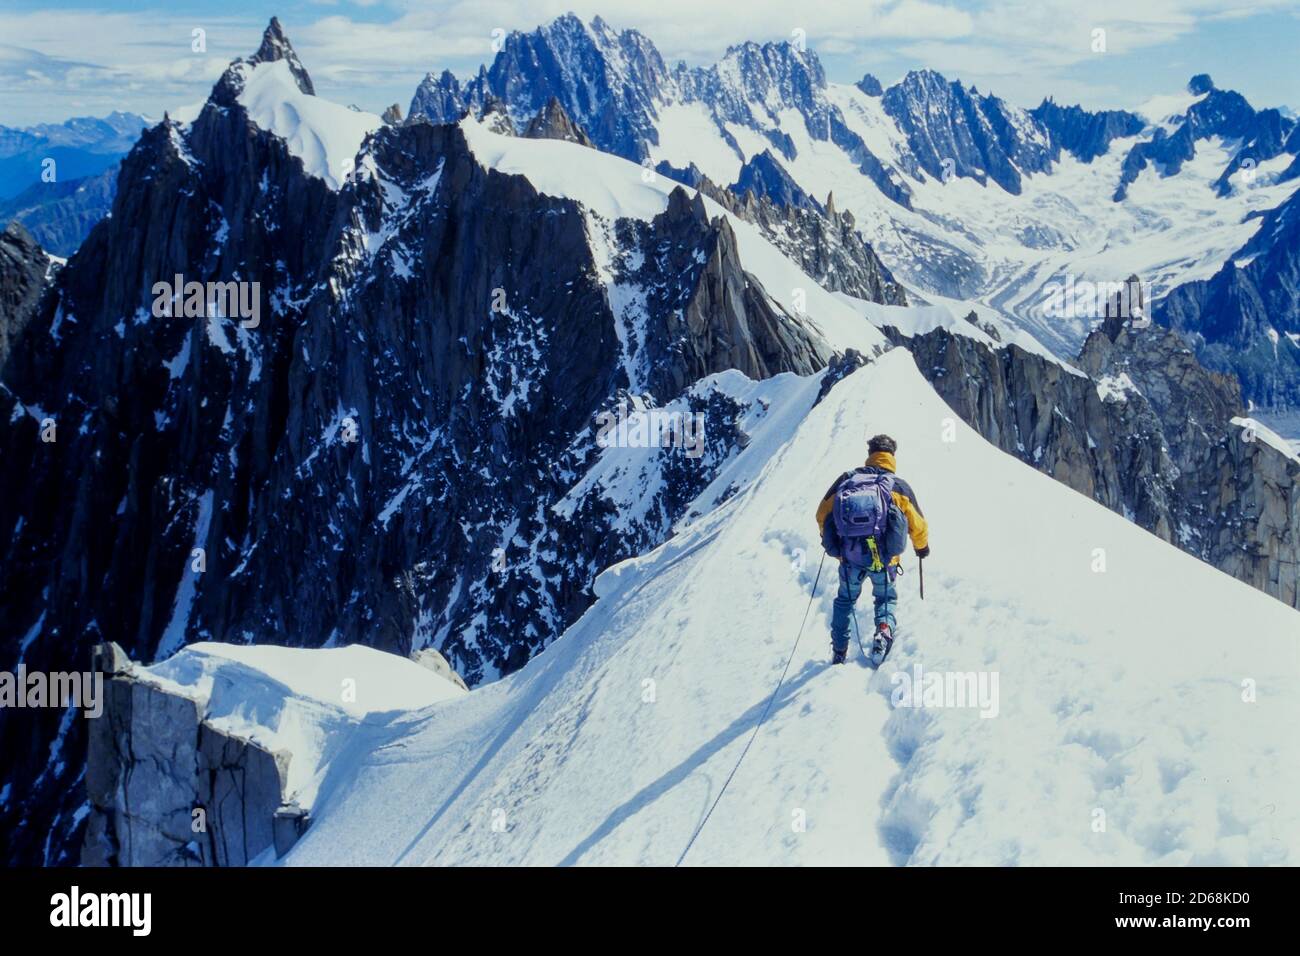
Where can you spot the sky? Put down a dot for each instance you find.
(81, 59)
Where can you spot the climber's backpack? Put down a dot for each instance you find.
(872, 529)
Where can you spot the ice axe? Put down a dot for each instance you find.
(920, 575)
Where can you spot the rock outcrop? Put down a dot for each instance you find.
(23, 270)
(167, 788)
(977, 136)
(705, 313)
(434, 661)
(1084, 134)
(552, 122)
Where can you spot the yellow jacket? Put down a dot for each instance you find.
(904, 497)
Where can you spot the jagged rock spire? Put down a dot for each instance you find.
(276, 46)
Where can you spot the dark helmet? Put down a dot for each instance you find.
(882, 443)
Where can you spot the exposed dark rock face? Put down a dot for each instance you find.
(824, 243)
(829, 249)
(762, 73)
(1083, 134)
(440, 98)
(707, 314)
(606, 82)
(495, 115)
(552, 122)
(1268, 138)
(276, 47)
(1246, 319)
(1147, 433)
(393, 115)
(953, 131)
(842, 364)
(764, 176)
(61, 214)
(379, 460)
(23, 270)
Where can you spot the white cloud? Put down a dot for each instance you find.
(143, 61)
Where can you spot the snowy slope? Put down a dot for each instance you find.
(324, 135)
(1119, 693)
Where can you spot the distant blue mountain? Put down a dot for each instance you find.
(80, 147)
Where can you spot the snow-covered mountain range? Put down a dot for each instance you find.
(400, 445)
(963, 195)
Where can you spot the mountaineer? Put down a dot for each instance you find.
(865, 520)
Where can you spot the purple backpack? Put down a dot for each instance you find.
(871, 527)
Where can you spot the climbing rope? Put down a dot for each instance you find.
(858, 632)
(766, 710)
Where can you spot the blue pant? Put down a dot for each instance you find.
(882, 590)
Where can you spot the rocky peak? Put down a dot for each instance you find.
(761, 69)
(438, 98)
(553, 122)
(764, 176)
(1193, 403)
(1224, 114)
(870, 85)
(1243, 319)
(685, 206)
(275, 47)
(496, 117)
(393, 115)
(606, 81)
(955, 131)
